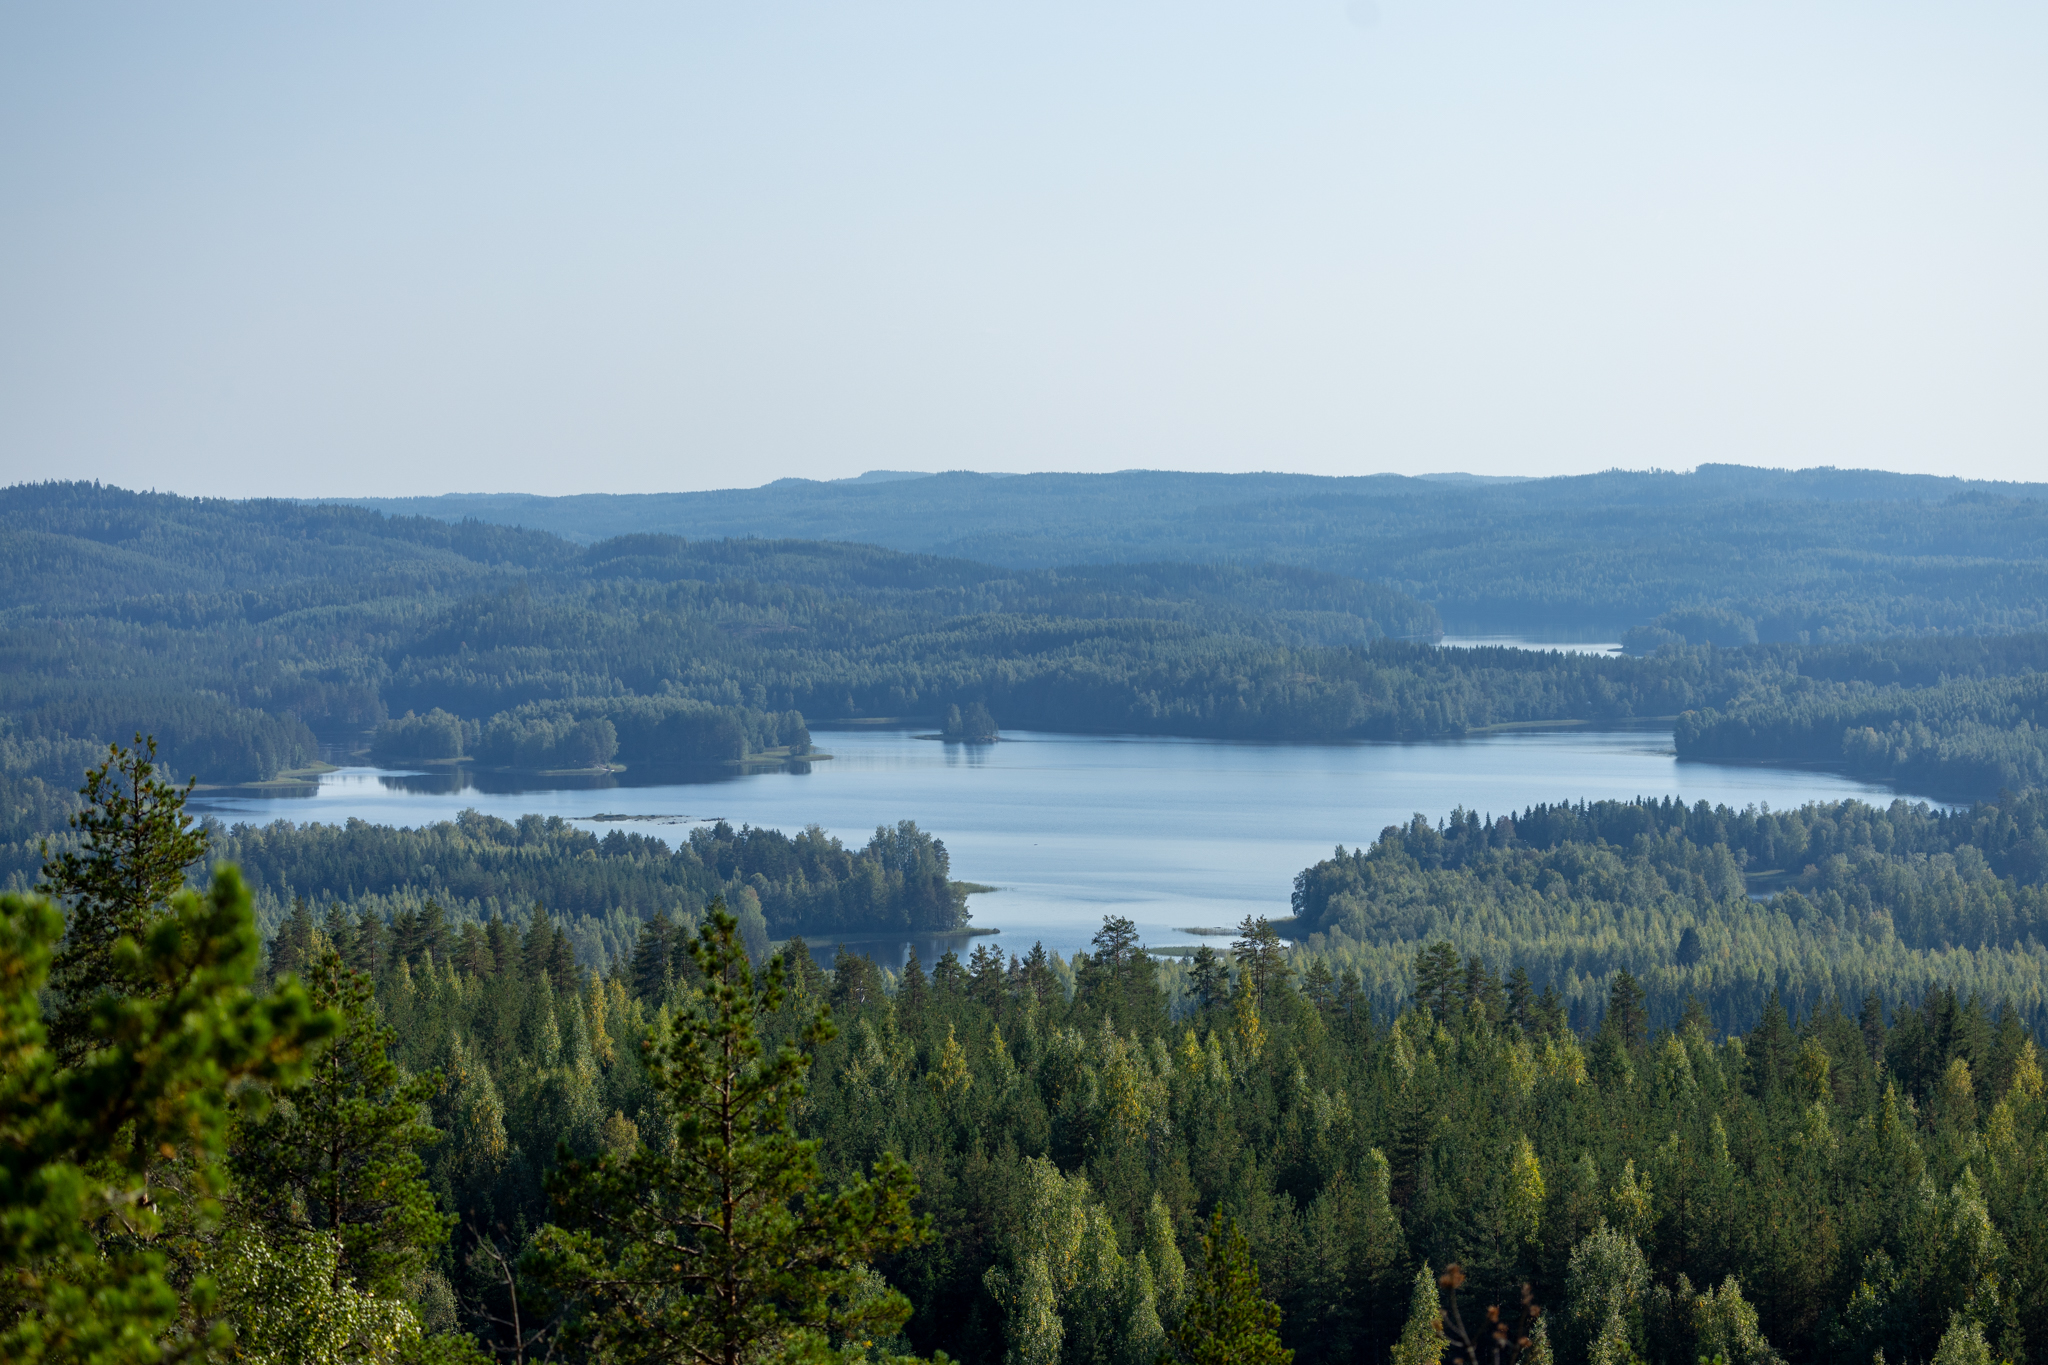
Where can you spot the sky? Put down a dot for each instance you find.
(367, 249)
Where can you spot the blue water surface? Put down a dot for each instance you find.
(1173, 833)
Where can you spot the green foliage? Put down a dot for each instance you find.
(1726, 1327)
(134, 846)
(338, 1153)
(1422, 1338)
(1607, 1284)
(1963, 1344)
(1967, 736)
(99, 1157)
(1228, 1321)
(290, 1303)
(973, 726)
(1642, 910)
(436, 735)
(602, 893)
(720, 1244)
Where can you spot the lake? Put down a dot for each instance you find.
(1173, 833)
(1526, 642)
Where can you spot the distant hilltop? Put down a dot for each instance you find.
(1723, 554)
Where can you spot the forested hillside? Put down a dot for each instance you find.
(243, 634)
(1725, 555)
(1854, 900)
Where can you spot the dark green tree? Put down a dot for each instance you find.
(722, 1246)
(340, 1151)
(1208, 978)
(291, 950)
(653, 957)
(1261, 958)
(1227, 1321)
(135, 845)
(1120, 979)
(1627, 1010)
(1437, 977)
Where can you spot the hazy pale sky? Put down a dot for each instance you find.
(383, 249)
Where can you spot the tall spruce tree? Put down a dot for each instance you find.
(1208, 978)
(339, 1153)
(1227, 1321)
(135, 846)
(1422, 1338)
(721, 1246)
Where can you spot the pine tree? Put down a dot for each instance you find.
(856, 981)
(1040, 981)
(1522, 1000)
(1437, 975)
(652, 973)
(136, 843)
(988, 979)
(339, 1153)
(911, 990)
(1226, 1321)
(806, 980)
(1261, 958)
(1318, 986)
(366, 950)
(537, 948)
(721, 1246)
(1627, 1013)
(1422, 1339)
(79, 1145)
(292, 949)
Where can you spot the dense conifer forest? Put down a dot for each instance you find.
(1591, 1081)
(401, 1135)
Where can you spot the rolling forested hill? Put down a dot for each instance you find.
(239, 632)
(243, 633)
(1725, 555)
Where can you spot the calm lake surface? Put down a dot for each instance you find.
(1524, 642)
(1173, 833)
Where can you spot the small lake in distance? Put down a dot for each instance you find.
(1173, 833)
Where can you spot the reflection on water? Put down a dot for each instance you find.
(1173, 833)
(456, 779)
(894, 951)
(1529, 642)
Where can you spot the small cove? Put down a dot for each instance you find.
(1173, 833)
